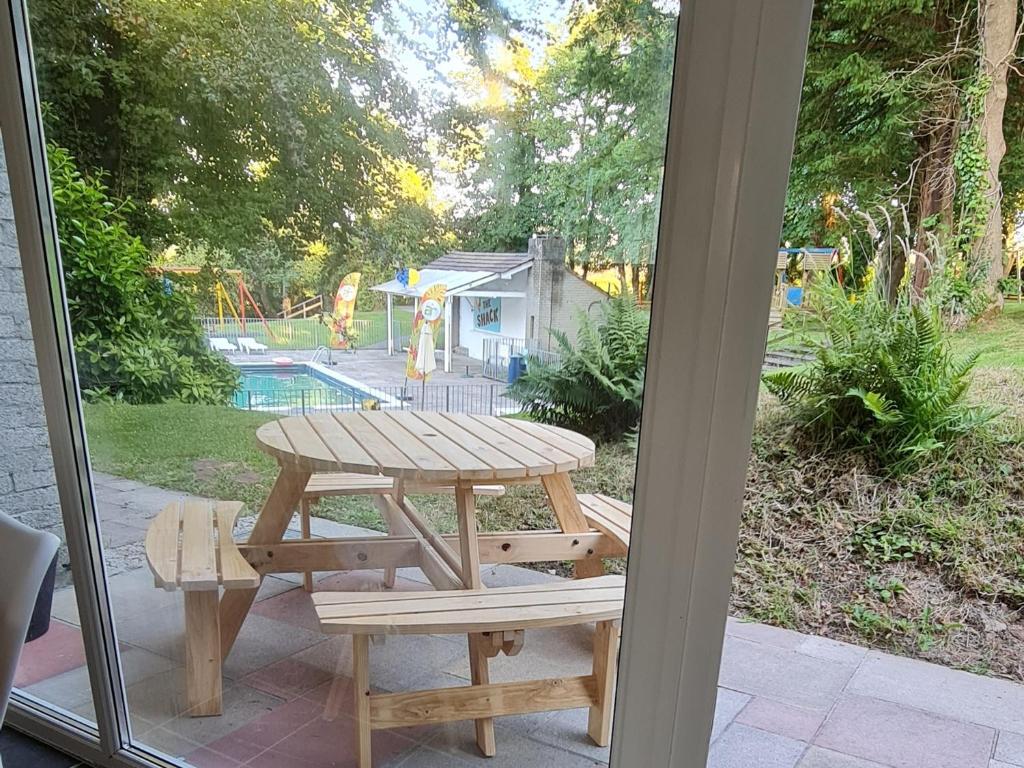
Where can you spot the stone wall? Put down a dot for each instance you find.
(27, 486)
(556, 295)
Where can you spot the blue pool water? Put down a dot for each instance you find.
(295, 388)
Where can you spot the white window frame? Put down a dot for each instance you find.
(735, 96)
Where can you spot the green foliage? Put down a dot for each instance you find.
(883, 379)
(136, 338)
(598, 385)
(970, 166)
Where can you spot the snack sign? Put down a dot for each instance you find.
(487, 315)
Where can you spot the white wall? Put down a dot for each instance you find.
(513, 315)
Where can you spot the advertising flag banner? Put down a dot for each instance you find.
(344, 311)
(422, 340)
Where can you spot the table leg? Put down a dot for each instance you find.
(566, 507)
(269, 529)
(307, 577)
(469, 551)
(203, 682)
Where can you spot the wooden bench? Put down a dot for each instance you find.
(609, 516)
(484, 615)
(326, 484)
(189, 547)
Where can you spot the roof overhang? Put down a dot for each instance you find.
(454, 281)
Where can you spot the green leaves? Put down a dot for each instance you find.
(598, 385)
(884, 379)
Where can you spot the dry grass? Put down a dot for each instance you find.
(929, 564)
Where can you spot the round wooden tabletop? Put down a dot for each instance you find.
(430, 447)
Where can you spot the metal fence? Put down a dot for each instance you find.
(499, 351)
(310, 333)
(487, 399)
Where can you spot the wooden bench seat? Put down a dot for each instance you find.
(610, 516)
(327, 484)
(492, 617)
(189, 547)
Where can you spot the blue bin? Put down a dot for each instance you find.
(516, 368)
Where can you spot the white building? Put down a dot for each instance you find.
(499, 304)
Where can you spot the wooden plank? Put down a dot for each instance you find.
(376, 552)
(396, 710)
(269, 529)
(475, 621)
(480, 676)
(349, 454)
(556, 440)
(566, 507)
(561, 460)
(363, 700)
(606, 652)
(502, 465)
(203, 684)
(469, 465)
(561, 585)
(304, 530)
(198, 547)
(431, 563)
(533, 462)
(235, 572)
(324, 484)
(429, 464)
(308, 450)
(163, 546)
(608, 519)
(419, 603)
(390, 459)
(469, 548)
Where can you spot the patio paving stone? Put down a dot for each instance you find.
(816, 757)
(1000, 764)
(557, 652)
(264, 732)
(287, 678)
(567, 729)
(744, 747)
(782, 674)
(728, 704)
(985, 701)
(903, 737)
(514, 751)
(58, 651)
(784, 719)
(1010, 748)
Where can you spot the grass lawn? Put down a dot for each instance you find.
(310, 333)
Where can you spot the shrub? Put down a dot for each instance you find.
(136, 339)
(598, 385)
(883, 378)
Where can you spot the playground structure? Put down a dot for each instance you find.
(811, 262)
(224, 300)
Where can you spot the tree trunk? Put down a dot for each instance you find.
(999, 40)
(935, 195)
(634, 280)
(623, 285)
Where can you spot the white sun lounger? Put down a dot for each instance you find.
(249, 344)
(220, 344)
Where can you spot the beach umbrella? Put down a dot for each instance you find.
(425, 363)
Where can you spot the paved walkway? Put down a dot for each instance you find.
(785, 700)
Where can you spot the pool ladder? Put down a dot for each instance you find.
(318, 354)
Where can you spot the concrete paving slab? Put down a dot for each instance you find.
(1010, 747)
(903, 737)
(816, 757)
(459, 740)
(744, 747)
(728, 704)
(784, 719)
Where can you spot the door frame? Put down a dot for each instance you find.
(735, 97)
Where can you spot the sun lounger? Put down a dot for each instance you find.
(220, 344)
(249, 344)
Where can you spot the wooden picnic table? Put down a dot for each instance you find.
(423, 448)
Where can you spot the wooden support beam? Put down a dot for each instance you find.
(436, 569)
(439, 705)
(378, 552)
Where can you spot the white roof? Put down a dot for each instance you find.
(454, 282)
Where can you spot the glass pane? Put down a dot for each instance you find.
(52, 663)
(386, 266)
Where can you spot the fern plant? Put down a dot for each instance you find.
(597, 386)
(883, 378)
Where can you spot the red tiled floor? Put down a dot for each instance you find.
(59, 650)
(365, 581)
(329, 744)
(204, 758)
(266, 731)
(287, 678)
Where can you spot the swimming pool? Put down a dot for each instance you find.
(301, 388)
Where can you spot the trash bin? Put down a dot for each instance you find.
(516, 368)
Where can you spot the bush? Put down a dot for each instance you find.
(136, 339)
(883, 379)
(598, 385)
